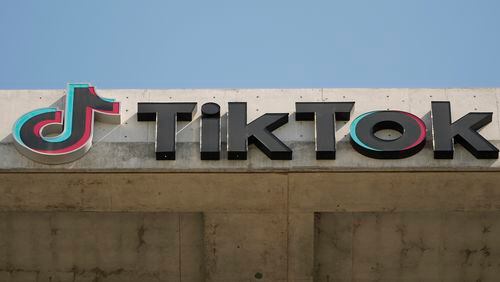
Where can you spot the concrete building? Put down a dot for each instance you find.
(118, 214)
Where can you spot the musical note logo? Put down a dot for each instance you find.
(54, 136)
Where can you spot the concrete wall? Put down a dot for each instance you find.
(117, 214)
(407, 246)
(359, 226)
(90, 246)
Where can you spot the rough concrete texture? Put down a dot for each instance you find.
(407, 246)
(68, 246)
(246, 247)
(358, 226)
(130, 145)
(252, 192)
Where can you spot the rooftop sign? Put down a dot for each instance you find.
(54, 136)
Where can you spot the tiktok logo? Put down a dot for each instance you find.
(54, 136)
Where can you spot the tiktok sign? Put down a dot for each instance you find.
(325, 115)
(54, 136)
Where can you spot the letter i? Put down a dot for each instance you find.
(210, 143)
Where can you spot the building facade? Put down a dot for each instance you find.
(137, 200)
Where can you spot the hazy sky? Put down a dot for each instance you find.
(250, 44)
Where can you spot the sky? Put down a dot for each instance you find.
(249, 44)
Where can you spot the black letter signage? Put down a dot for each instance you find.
(240, 134)
(166, 116)
(463, 131)
(324, 116)
(210, 132)
(55, 136)
(411, 141)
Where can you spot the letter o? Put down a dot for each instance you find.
(411, 141)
